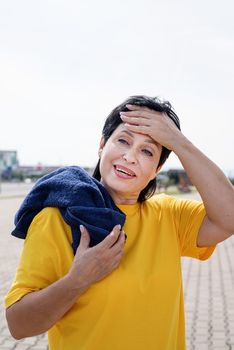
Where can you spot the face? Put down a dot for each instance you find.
(128, 161)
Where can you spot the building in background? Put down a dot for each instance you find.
(173, 177)
(180, 178)
(8, 163)
(12, 171)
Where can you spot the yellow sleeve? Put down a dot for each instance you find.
(189, 215)
(47, 255)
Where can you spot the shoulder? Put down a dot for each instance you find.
(49, 223)
(47, 214)
(174, 204)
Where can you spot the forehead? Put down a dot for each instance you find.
(121, 129)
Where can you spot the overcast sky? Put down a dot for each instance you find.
(64, 65)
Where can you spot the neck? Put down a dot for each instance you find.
(122, 198)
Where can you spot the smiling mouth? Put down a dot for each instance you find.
(123, 172)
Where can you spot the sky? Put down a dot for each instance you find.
(64, 65)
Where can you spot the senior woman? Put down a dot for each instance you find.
(117, 294)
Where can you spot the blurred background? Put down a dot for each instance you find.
(64, 65)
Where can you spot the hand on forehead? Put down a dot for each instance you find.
(158, 125)
(135, 107)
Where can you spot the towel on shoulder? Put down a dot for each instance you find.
(81, 200)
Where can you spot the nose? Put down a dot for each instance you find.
(130, 156)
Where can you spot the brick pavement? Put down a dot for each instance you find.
(208, 292)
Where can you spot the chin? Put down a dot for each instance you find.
(123, 187)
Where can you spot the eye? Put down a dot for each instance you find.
(147, 152)
(123, 141)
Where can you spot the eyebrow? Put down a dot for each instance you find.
(146, 140)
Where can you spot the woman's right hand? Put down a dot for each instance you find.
(92, 264)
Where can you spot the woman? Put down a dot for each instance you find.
(116, 295)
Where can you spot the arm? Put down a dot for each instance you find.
(216, 191)
(38, 311)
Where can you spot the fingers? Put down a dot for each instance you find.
(143, 113)
(85, 238)
(134, 120)
(116, 252)
(115, 239)
(111, 239)
(118, 247)
(117, 260)
(139, 129)
(137, 107)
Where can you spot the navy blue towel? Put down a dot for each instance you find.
(81, 200)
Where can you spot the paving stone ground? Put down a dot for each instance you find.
(208, 292)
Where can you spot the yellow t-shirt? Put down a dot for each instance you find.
(140, 304)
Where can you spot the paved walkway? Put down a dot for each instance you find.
(208, 291)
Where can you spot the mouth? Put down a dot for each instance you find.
(124, 172)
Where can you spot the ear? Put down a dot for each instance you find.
(101, 146)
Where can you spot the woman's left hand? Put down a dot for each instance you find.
(157, 125)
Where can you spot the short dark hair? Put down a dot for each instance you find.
(113, 121)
